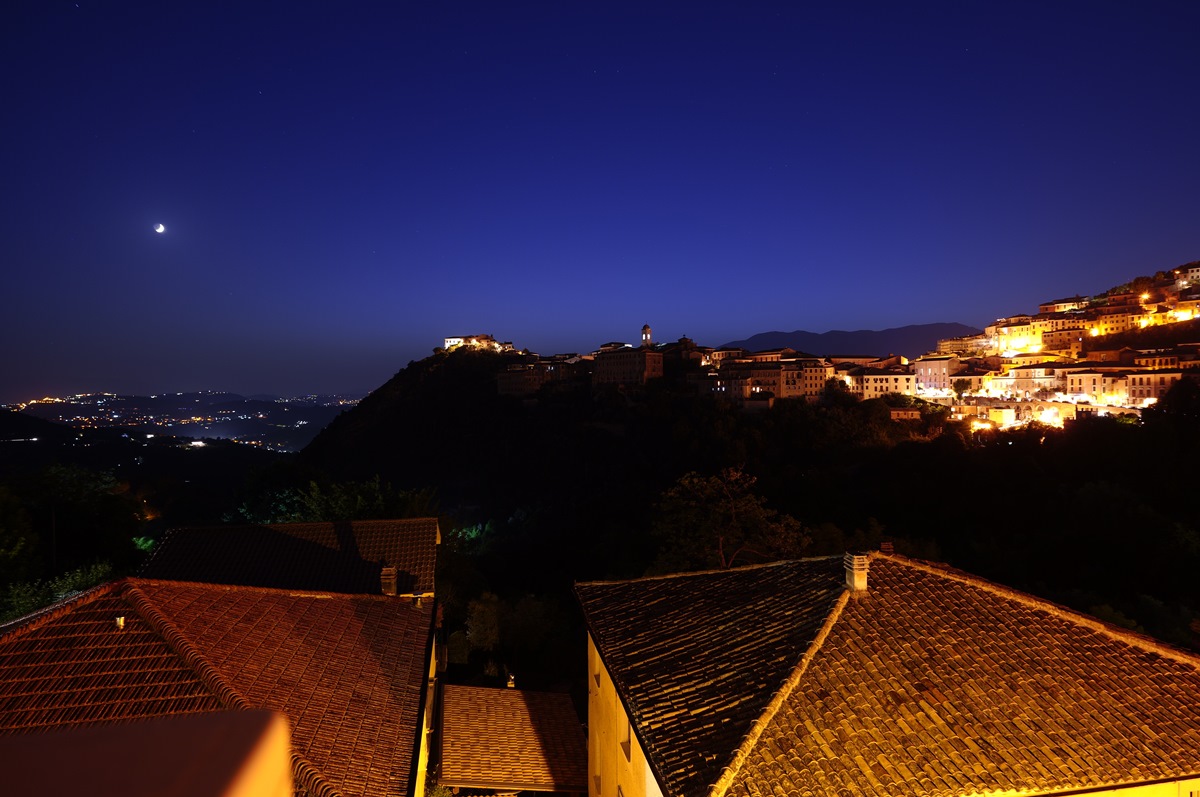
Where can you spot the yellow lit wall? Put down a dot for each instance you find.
(616, 763)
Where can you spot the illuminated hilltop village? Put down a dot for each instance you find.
(1051, 366)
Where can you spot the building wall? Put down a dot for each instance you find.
(869, 386)
(1171, 788)
(428, 717)
(935, 373)
(1151, 384)
(627, 367)
(617, 766)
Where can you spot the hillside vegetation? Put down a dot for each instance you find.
(578, 486)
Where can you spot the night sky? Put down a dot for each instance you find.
(345, 184)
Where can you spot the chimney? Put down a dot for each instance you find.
(512, 681)
(387, 580)
(887, 546)
(856, 570)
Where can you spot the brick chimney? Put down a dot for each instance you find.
(856, 570)
(387, 580)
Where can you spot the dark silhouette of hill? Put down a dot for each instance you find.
(910, 341)
(19, 426)
(537, 494)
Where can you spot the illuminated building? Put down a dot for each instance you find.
(868, 383)
(483, 342)
(1063, 305)
(1029, 379)
(1067, 341)
(973, 344)
(1108, 387)
(1151, 385)
(935, 374)
(627, 366)
(878, 676)
(1014, 334)
(774, 373)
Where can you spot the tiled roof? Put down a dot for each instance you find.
(511, 739)
(347, 670)
(936, 683)
(343, 556)
(697, 657)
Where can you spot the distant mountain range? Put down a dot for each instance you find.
(910, 341)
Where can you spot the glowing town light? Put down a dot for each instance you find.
(1051, 417)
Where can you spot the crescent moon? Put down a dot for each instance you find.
(160, 228)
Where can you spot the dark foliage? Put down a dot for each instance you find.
(536, 495)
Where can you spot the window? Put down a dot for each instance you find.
(626, 741)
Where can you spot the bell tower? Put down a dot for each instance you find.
(646, 341)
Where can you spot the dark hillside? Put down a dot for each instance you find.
(541, 493)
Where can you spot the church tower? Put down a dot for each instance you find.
(646, 341)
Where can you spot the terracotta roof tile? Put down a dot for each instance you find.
(335, 557)
(989, 690)
(348, 670)
(931, 683)
(511, 739)
(697, 657)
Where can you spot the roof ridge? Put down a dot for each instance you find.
(712, 571)
(183, 647)
(234, 527)
(730, 771)
(315, 783)
(290, 592)
(1054, 609)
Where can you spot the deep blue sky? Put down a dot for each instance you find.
(345, 184)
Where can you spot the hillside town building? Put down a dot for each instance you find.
(1055, 355)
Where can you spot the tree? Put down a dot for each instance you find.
(837, 393)
(82, 516)
(17, 539)
(367, 500)
(719, 522)
(960, 387)
(1181, 402)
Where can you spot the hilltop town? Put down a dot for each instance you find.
(1055, 365)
